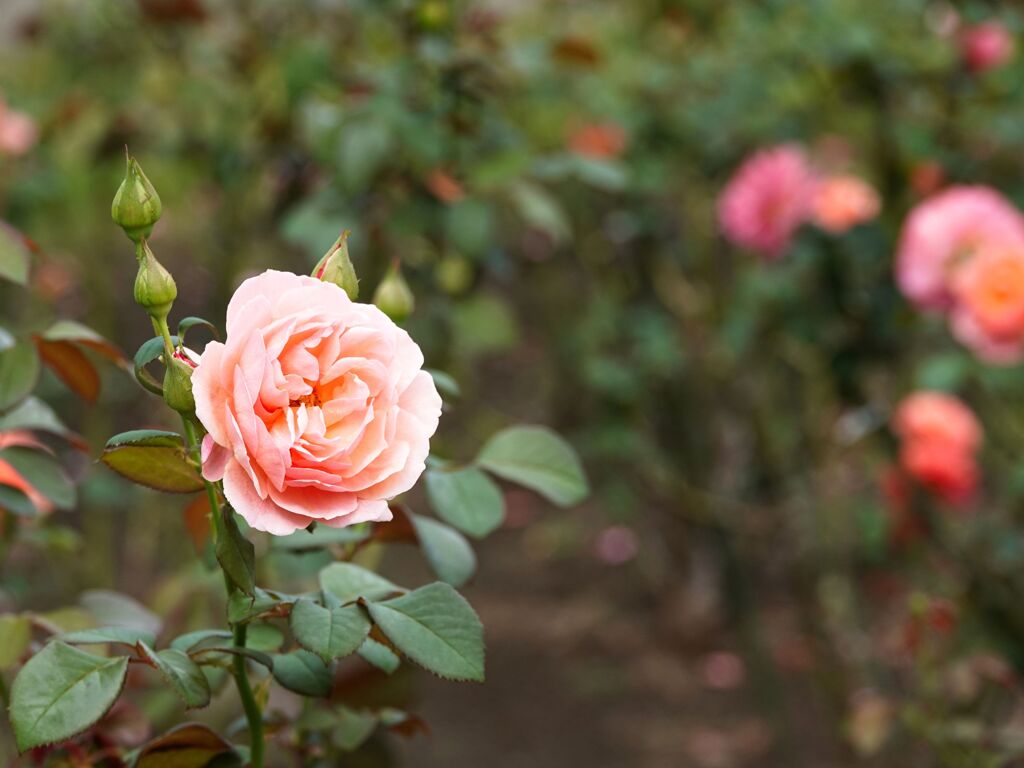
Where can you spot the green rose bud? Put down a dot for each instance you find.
(336, 267)
(136, 207)
(155, 290)
(393, 296)
(178, 383)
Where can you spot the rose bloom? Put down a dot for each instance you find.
(18, 133)
(930, 416)
(940, 436)
(986, 46)
(945, 229)
(950, 474)
(990, 286)
(602, 141)
(767, 200)
(317, 407)
(842, 202)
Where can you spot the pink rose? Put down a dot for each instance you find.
(986, 46)
(18, 132)
(767, 199)
(317, 407)
(944, 230)
(939, 438)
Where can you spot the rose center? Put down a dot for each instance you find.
(312, 399)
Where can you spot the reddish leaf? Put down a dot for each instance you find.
(76, 333)
(71, 366)
(197, 521)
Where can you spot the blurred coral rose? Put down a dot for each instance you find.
(940, 436)
(318, 408)
(991, 286)
(842, 202)
(986, 46)
(767, 200)
(598, 140)
(18, 133)
(943, 231)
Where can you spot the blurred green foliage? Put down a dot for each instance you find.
(728, 405)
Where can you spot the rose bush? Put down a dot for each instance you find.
(317, 408)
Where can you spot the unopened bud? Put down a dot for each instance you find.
(336, 267)
(178, 383)
(155, 290)
(136, 207)
(393, 296)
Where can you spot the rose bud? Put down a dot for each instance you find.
(336, 267)
(136, 207)
(178, 383)
(393, 296)
(155, 290)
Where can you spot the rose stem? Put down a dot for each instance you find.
(252, 711)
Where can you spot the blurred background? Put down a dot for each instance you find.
(752, 582)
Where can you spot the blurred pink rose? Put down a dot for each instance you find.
(945, 229)
(986, 46)
(842, 202)
(767, 200)
(18, 132)
(317, 407)
(939, 438)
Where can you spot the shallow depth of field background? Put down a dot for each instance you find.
(736, 592)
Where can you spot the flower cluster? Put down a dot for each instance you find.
(961, 252)
(777, 190)
(939, 439)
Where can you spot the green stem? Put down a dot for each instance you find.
(253, 715)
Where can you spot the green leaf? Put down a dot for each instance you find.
(436, 628)
(329, 632)
(19, 372)
(43, 473)
(467, 499)
(154, 458)
(187, 746)
(538, 459)
(352, 728)
(117, 635)
(14, 255)
(303, 672)
(243, 608)
(184, 675)
(16, 502)
(215, 654)
(320, 537)
(447, 550)
(347, 582)
(191, 322)
(146, 354)
(264, 637)
(236, 554)
(33, 413)
(60, 692)
(113, 609)
(379, 655)
(191, 640)
(15, 634)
